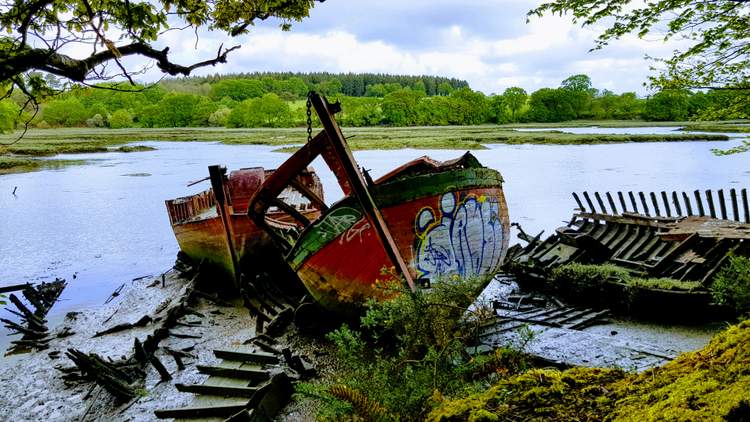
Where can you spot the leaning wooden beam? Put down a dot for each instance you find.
(601, 203)
(676, 203)
(735, 208)
(699, 203)
(217, 184)
(710, 200)
(665, 199)
(643, 202)
(578, 201)
(722, 204)
(656, 204)
(359, 186)
(588, 201)
(745, 205)
(622, 202)
(686, 200)
(632, 202)
(611, 203)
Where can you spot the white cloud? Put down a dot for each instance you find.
(486, 43)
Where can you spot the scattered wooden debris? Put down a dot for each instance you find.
(673, 239)
(32, 324)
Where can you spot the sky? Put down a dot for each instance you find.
(487, 43)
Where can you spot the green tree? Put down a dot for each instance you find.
(120, 119)
(65, 112)
(551, 105)
(8, 115)
(267, 111)
(580, 93)
(105, 32)
(444, 88)
(716, 34)
(400, 107)
(238, 89)
(667, 105)
(515, 99)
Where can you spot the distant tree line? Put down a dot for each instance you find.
(278, 100)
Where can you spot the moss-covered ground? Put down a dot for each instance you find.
(711, 384)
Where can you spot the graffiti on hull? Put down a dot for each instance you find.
(464, 237)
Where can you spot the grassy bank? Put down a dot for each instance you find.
(22, 165)
(49, 142)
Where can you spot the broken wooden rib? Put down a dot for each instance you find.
(676, 204)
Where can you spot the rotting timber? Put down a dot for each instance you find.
(420, 222)
(652, 237)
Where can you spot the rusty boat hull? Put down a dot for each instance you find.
(421, 223)
(204, 238)
(450, 221)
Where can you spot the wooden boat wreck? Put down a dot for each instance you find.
(212, 226)
(417, 224)
(669, 247)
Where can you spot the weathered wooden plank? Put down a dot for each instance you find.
(656, 204)
(745, 205)
(611, 204)
(642, 196)
(676, 203)
(665, 199)
(255, 357)
(722, 205)
(14, 287)
(735, 208)
(601, 203)
(710, 201)
(578, 201)
(632, 202)
(217, 390)
(239, 373)
(699, 203)
(222, 411)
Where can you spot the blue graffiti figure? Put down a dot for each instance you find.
(465, 240)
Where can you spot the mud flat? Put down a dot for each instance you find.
(34, 390)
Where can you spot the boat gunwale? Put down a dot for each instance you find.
(393, 193)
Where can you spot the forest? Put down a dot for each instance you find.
(278, 100)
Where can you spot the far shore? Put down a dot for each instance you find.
(24, 155)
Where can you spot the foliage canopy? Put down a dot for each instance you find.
(44, 34)
(717, 34)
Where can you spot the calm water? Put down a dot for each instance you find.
(105, 221)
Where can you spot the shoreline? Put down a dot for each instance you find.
(33, 151)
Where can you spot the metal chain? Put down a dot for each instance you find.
(309, 117)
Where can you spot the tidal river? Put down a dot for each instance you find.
(104, 222)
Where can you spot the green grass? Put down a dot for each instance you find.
(23, 165)
(49, 142)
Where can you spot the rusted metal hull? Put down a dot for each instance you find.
(456, 228)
